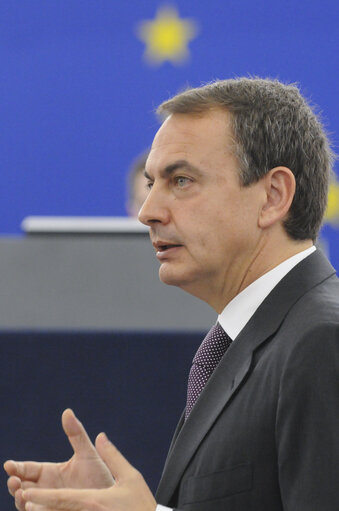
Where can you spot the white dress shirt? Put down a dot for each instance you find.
(240, 310)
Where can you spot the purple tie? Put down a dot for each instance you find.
(206, 359)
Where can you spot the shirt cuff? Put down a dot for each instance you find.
(163, 508)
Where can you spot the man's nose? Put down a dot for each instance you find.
(154, 209)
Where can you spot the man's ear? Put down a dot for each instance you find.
(280, 189)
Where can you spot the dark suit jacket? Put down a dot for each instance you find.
(264, 434)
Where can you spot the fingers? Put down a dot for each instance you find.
(75, 500)
(16, 483)
(10, 467)
(119, 467)
(24, 470)
(77, 435)
(13, 484)
(19, 501)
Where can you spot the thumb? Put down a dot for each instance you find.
(119, 467)
(77, 435)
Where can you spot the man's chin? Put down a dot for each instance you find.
(169, 279)
(173, 276)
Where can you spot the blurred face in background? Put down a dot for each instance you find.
(140, 192)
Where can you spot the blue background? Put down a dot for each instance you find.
(77, 99)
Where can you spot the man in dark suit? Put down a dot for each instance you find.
(238, 177)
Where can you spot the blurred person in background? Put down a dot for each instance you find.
(136, 185)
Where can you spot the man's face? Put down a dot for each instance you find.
(203, 223)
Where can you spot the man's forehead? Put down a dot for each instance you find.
(176, 130)
(166, 153)
(170, 141)
(191, 124)
(190, 137)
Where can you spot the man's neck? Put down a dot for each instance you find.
(239, 311)
(267, 256)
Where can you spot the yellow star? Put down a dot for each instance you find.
(167, 36)
(332, 211)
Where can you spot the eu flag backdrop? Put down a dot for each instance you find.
(80, 80)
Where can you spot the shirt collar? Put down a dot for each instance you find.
(240, 310)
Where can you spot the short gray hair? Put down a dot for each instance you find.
(273, 125)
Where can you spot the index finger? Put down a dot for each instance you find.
(25, 470)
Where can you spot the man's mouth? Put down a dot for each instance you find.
(163, 248)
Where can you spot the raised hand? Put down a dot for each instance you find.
(129, 493)
(84, 470)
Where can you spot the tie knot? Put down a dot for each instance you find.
(212, 347)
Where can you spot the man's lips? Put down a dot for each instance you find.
(160, 246)
(164, 248)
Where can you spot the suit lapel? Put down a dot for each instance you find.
(176, 434)
(235, 365)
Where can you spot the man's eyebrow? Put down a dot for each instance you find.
(179, 164)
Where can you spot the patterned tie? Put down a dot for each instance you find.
(206, 359)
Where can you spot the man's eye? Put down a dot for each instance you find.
(149, 185)
(181, 181)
